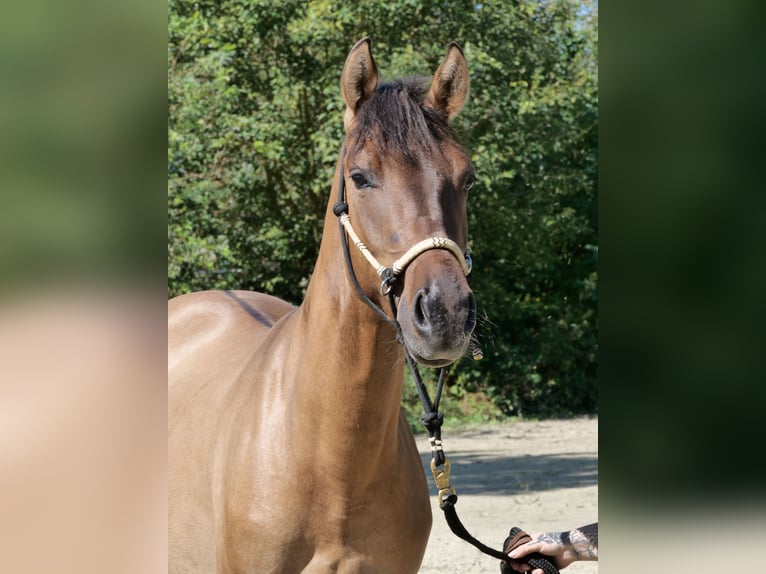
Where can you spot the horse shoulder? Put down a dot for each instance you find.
(212, 337)
(210, 327)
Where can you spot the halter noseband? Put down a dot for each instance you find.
(389, 275)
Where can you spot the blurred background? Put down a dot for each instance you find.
(82, 296)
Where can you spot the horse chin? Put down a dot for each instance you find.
(432, 363)
(423, 355)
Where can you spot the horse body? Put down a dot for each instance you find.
(288, 451)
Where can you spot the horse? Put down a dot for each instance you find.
(288, 451)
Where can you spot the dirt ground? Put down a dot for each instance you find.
(540, 476)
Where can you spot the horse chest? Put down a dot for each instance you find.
(287, 515)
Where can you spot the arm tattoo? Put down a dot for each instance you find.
(584, 541)
(550, 537)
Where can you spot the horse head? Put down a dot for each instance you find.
(407, 180)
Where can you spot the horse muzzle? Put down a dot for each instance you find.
(437, 310)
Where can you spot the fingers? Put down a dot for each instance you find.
(525, 549)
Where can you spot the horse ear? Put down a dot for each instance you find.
(449, 89)
(359, 78)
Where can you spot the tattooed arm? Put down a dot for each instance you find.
(563, 547)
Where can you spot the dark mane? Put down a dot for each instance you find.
(396, 120)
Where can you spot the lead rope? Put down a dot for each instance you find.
(432, 418)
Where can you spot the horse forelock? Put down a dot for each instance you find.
(396, 120)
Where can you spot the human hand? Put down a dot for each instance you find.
(562, 548)
(548, 544)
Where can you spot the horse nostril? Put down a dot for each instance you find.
(421, 313)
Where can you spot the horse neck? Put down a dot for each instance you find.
(358, 363)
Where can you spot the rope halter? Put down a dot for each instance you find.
(389, 275)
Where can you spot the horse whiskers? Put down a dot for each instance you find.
(395, 354)
(475, 345)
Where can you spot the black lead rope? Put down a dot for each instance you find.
(432, 418)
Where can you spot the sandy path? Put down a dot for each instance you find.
(535, 475)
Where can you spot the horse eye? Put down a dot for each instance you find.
(469, 181)
(360, 181)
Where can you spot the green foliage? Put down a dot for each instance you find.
(461, 407)
(254, 129)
